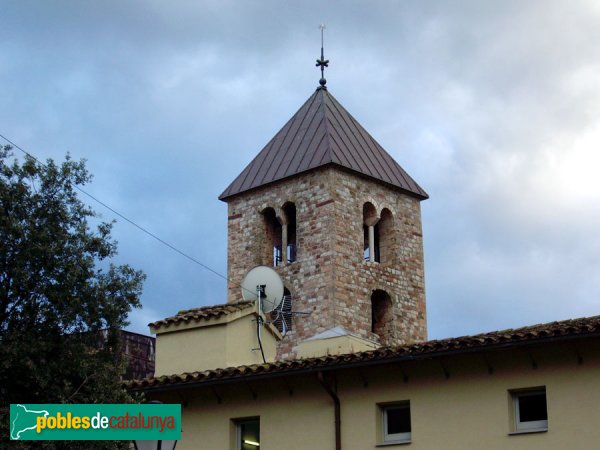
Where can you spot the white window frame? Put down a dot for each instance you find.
(395, 437)
(532, 425)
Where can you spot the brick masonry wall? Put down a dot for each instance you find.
(401, 273)
(329, 278)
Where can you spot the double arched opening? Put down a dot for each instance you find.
(280, 244)
(378, 234)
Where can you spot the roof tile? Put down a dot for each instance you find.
(575, 328)
(202, 313)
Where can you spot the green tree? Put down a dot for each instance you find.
(62, 303)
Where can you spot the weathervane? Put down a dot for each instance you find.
(322, 62)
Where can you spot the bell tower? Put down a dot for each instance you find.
(339, 220)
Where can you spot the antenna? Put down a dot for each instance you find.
(281, 316)
(264, 283)
(264, 286)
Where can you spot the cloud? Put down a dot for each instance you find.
(493, 107)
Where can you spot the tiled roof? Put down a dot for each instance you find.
(536, 334)
(322, 132)
(203, 313)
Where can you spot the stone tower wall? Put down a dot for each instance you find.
(310, 277)
(401, 271)
(329, 278)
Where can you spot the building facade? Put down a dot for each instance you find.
(532, 388)
(349, 366)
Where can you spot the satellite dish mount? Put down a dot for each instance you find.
(264, 286)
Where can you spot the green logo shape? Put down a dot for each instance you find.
(83, 422)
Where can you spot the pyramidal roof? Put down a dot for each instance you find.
(321, 133)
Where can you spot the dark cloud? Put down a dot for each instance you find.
(491, 106)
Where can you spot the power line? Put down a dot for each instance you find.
(139, 227)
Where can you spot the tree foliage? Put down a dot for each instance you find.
(62, 303)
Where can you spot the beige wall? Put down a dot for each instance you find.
(218, 345)
(242, 339)
(469, 410)
(333, 346)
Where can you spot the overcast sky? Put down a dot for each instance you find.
(492, 107)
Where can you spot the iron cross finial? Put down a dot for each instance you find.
(322, 62)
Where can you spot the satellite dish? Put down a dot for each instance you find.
(268, 282)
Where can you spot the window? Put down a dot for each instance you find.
(396, 422)
(273, 237)
(376, 249)
(279, 245)
(385, 240)
(247, 434)
(289, 209)
(277, 255)
(530, 410)
(370, 233)
(382, 316)
(366, 248)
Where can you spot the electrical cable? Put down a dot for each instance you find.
(258, 325)
(139, 227)
(162, 241)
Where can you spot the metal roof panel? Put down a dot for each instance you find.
(320, 133)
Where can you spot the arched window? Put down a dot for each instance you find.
(381, 316)
(370, 233)
(366, 247)
(385, 237)
(289, 210)
(272, 248)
